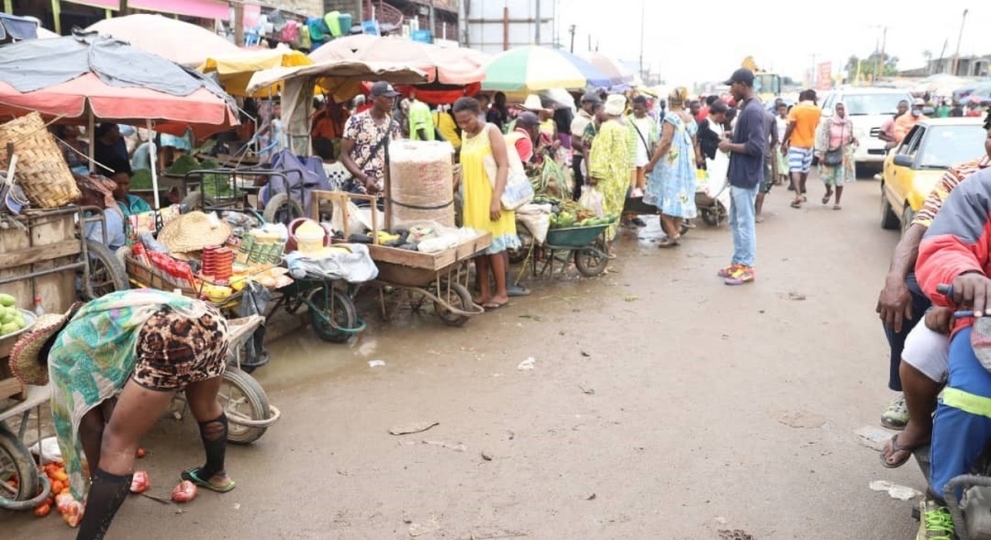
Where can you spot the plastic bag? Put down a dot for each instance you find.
(592, 199)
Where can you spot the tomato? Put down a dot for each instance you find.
(60, 475)
(57, 486)
(140, 483)
(73, 514)
(140, 453)
(42, 509)
(184, 492)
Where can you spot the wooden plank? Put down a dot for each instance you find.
(37, 254)
(11, 388)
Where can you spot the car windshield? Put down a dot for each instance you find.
(946, 146)
(872, 104)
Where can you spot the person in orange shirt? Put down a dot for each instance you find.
(328, 127)
(906, 122)
(799, 142)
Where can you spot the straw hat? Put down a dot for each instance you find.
(615, 104)
(24, 361)
(192, 232)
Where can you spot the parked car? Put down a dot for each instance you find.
(916, 165)
(869, 108)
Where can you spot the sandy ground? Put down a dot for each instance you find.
(661, 404)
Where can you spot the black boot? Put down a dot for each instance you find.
(106, 493)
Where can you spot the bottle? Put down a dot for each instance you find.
(38, 310)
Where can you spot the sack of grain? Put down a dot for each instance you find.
(421, 176)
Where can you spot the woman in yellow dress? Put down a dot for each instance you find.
(609, 161)
(484, 170)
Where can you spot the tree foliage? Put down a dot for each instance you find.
(869, 65)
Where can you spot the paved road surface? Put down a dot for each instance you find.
(662, 404)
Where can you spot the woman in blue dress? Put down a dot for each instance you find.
(671, 186)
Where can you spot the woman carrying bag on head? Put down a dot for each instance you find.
(837, 145)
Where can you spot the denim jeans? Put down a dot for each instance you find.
(742, 221)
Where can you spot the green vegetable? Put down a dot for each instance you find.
(7, 316)
(7, 300)
(8, 328)
(183, 164)
(141, 180)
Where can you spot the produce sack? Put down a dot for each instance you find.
(421, 179)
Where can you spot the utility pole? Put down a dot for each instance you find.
(539, 21)
(956, 55)
(572, 30)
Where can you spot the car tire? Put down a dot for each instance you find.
(889, 219)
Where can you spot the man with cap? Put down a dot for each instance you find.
(746, 170)
(906, 122)
(365, 137)
(584, 117)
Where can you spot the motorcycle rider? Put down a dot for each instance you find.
(918, 352)
(957, 250)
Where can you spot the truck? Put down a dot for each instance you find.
(767, 85)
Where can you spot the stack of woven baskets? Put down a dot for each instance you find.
(41, 170)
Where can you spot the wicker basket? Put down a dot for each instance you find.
(41, 170)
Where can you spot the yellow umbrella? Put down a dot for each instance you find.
(235, 70)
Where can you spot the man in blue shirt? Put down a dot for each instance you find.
(746, 171)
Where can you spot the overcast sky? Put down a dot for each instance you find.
(701, 41)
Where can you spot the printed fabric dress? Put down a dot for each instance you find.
(476, 163)
(833, 135)
(609, 162)
(671, 185)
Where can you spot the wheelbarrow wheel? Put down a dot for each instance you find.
(710, 217)
(456, 296)
(337, 307)
(593, 260)
(282, 209)
(241, 395)
(16, 463)
(106, 272)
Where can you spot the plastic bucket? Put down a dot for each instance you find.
(309, 243)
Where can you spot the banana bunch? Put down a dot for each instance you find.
(384, 237)
(216, 293)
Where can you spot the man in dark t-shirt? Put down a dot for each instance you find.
(746, 171)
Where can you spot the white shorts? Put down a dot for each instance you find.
(928, 352)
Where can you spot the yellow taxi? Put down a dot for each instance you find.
(914, 167)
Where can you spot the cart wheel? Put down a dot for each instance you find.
(16, 463)
(519, 254)
(344, 314)
(458, 297)
(282, 209)
(196, 201)
(106, 272)
(590, 262)
(241, 395)
(710, 217)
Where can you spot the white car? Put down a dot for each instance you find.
(869, 108)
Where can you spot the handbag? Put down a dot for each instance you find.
(518, 191)
(833, 156)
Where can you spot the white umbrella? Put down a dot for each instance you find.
(181, 42)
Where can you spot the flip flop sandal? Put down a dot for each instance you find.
(492, 306)
(193, 477)
(895, 448)
(837, 207)
(825, 198)
(796, 204)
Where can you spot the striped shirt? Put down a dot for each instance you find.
(951, 179)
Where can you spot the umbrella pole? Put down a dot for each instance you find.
(152, 151)
(91, 135)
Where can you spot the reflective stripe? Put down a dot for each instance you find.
(967, 402)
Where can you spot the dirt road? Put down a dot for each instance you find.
(661, 404)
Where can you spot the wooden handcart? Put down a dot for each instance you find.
(441, 278)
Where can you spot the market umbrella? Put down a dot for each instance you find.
(181, 42)
(234, 70)
(87, 77)
(339, 79)
(614, 70)
(533, 69)
(447, 66)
